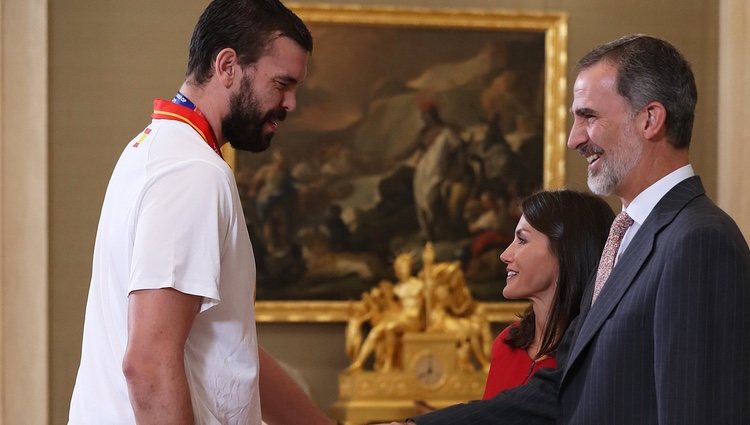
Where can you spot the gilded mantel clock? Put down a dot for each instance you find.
(429, 370)
(426, 340)
(431, 373)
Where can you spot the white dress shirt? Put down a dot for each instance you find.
(645, 202)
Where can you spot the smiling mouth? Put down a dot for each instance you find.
(512, 273)
(591, 152)
(592, 158)
(275, 117)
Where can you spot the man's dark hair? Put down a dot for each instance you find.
(650, 69)
(247, 26)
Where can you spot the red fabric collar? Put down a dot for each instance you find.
(166, 110)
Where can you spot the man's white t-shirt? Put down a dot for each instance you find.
(172, 218)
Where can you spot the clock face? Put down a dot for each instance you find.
(429, 370)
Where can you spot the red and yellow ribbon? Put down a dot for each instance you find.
(166, 110)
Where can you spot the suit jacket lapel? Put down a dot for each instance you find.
(631, 261)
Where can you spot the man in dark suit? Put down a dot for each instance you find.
(667, 339)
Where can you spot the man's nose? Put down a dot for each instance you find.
(577, 136)
(290, 101)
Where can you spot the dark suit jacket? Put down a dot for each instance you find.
(667, 341)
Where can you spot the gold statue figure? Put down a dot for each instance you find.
(455, 312)
(436, 300)
(398, 309)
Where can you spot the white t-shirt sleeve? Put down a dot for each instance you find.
(180, 227)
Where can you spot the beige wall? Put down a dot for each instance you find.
(734, 111)
(108, 59)
(23, 217)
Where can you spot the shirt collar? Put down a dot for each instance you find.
(645, 202)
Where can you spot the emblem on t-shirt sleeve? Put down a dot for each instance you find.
(141, 137)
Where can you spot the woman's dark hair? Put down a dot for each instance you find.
(577, 225)
(247, 26)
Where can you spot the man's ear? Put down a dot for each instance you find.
(654, 120)
(226, 66)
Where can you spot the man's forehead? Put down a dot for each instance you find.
(286, 57)
(594, 84)
(601, 75)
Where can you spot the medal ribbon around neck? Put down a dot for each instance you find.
(167, 110)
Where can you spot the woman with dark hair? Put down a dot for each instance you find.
(557, 245)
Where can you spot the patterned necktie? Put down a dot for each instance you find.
(616, 232)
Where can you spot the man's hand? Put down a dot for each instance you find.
(282, 401)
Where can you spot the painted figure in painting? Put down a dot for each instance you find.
(275, 199)
(437, 176)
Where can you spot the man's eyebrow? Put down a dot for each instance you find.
(583, 111)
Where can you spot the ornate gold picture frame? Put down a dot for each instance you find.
(386, 85)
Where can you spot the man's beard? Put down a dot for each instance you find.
(617, 164)
(243, 127)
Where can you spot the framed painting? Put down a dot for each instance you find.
(413, 125)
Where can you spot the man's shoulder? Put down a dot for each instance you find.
(691, 207)
(702, 219)
(703, 212)
(177, 147)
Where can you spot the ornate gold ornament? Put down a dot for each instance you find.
(428, 340)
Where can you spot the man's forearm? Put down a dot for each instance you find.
(158, 396)
(154, 363)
